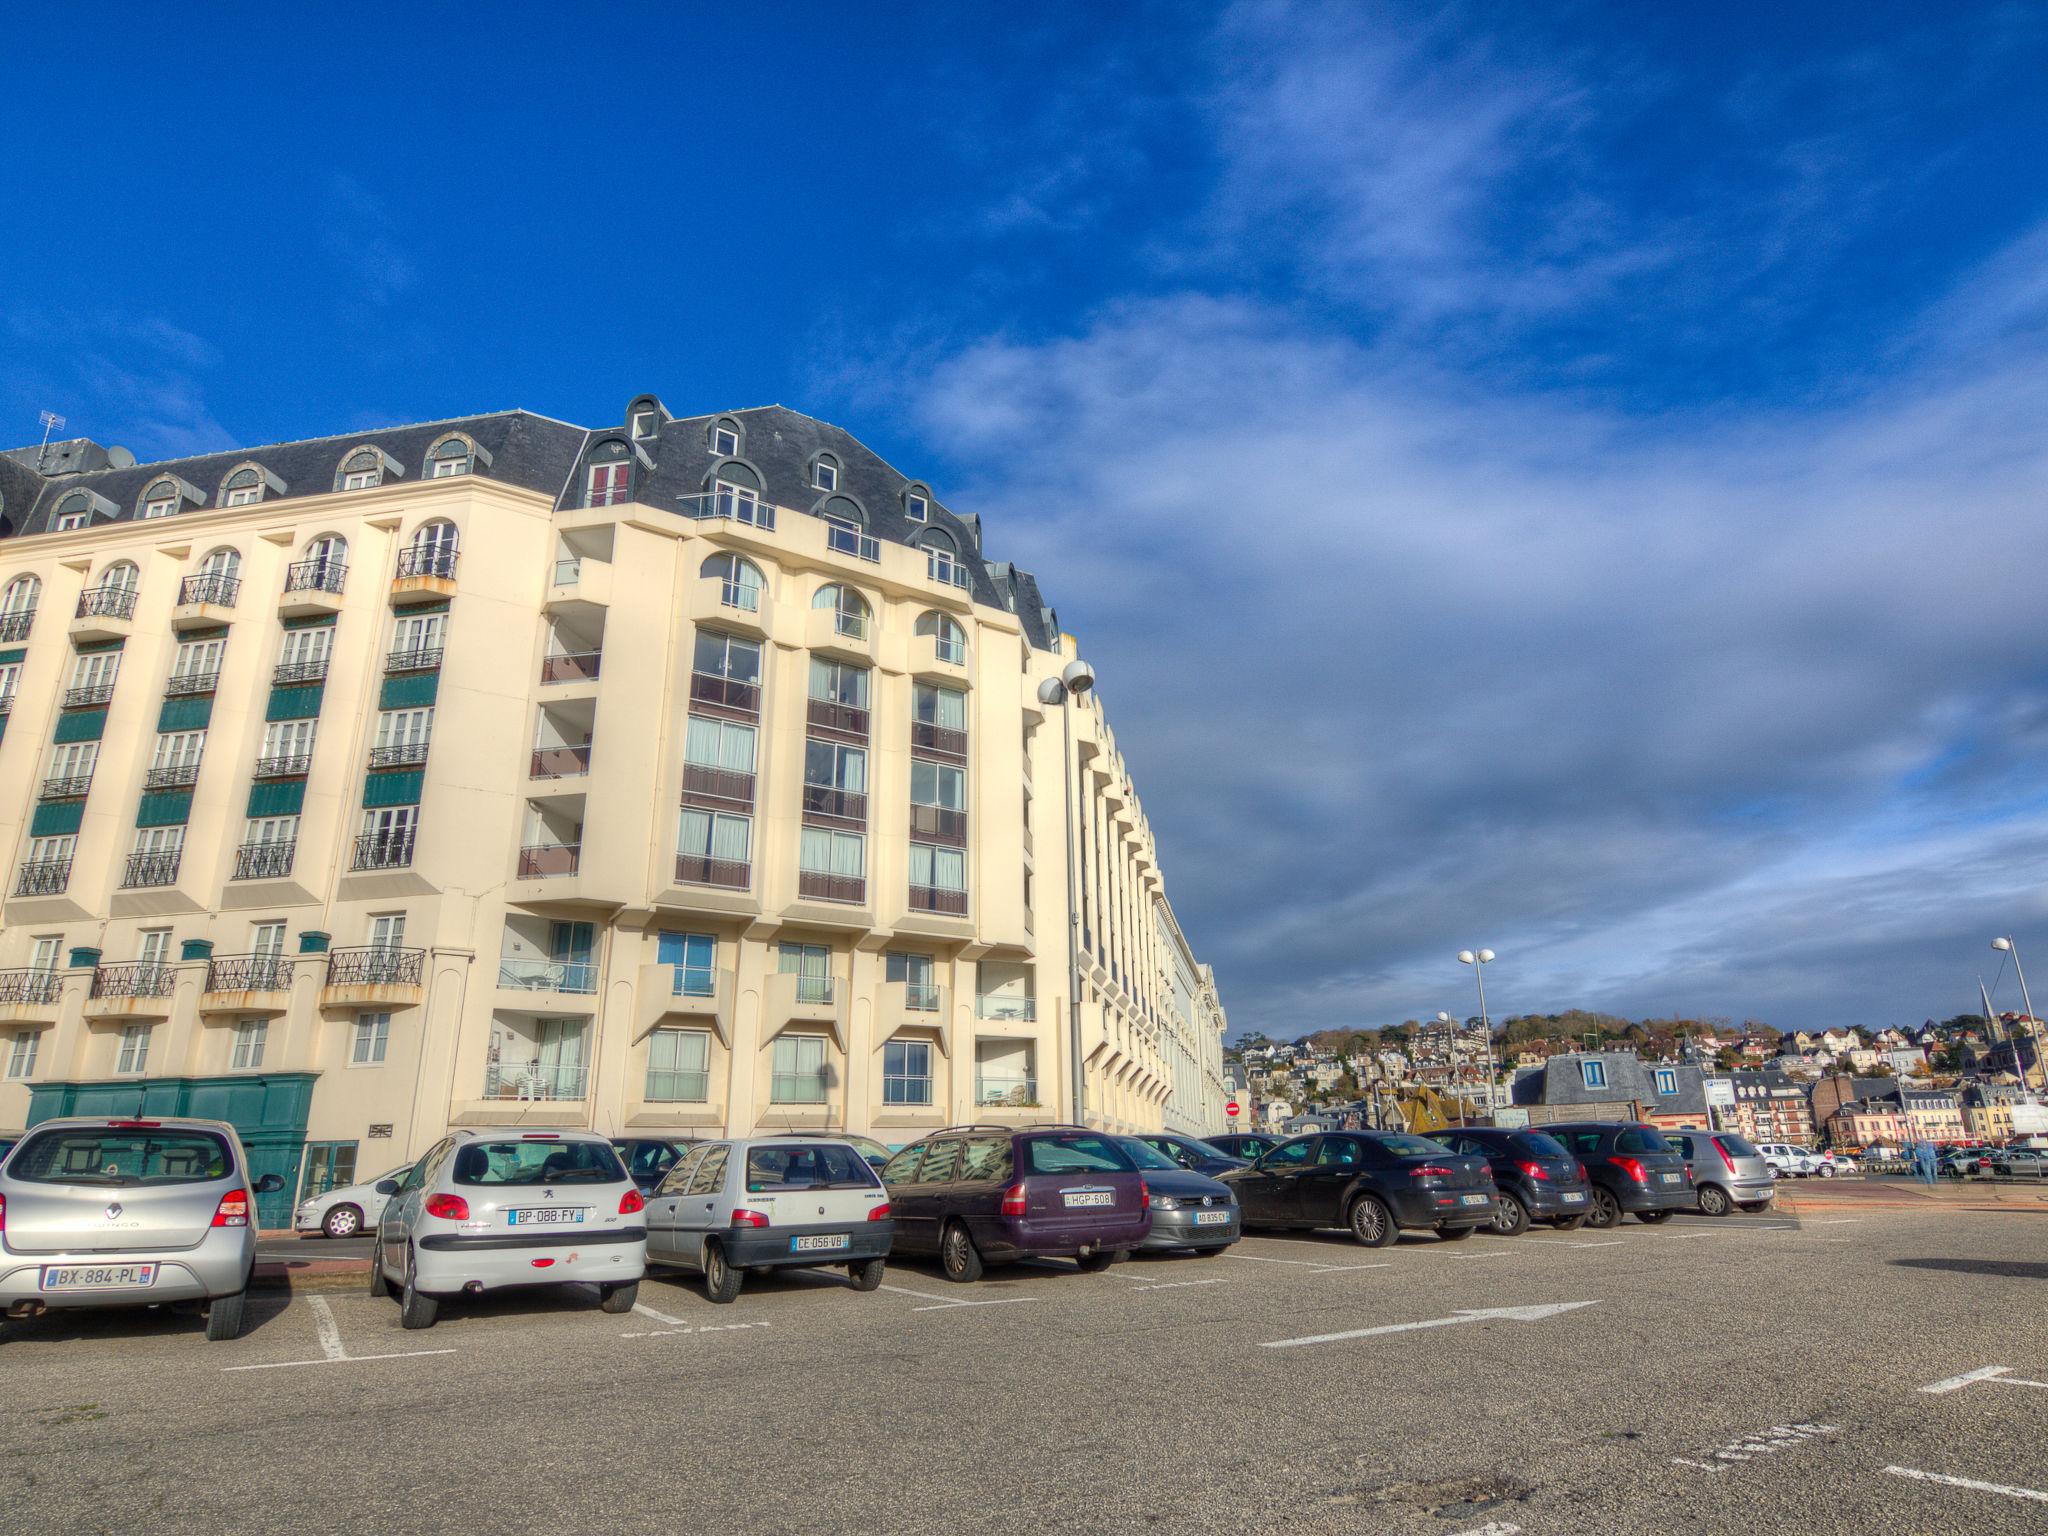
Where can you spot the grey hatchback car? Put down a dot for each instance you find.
(1728, 1172)
(129, 1213)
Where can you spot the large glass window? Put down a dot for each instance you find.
(678, 1066)
(936, 868)
(833, 765)
(939, 784)
(811, 964)
(557, 1160)
(714, 835)
(837, 683)
(826, 851)
(372, 1039)
(121, 1157)
(725, 744)
(250, 1036)
(907, 1072)
(943, 707)
(798, 1075)
(691, 956)
(740, 581)
(728, 656)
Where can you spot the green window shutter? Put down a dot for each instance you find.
(294, 703)
(211, 632)
(280, 797)
(193, 714)
(17, 653)
(393, 788)
(439, 605)
(3, 727)
(412, 690)
(56, 818)
(81, 725)
(98, 645)
(311, 621)
(165, 808)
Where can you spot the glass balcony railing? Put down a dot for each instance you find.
(549, 859)
(727, 505)
(1000, 1090)
(939, 899)
(578, 976)
(1003, 1008)
(570, 666)
(693, 981)
(532, 1080)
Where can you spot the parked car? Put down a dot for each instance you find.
(1191, 1212)
(1374, 1183)
(876, 1153)
(1245, 1144)
(491, 1210)
(989, 1194)
(129, 1213)
(771, 1202)
(1788, 1161)
(1189, 1152)
(2031, 1161)
(1961, 1162)
(347, 1210)
(649, 1158)
(1534, 1177)
(1728, 1172)
(1633, 1169)
(7, 1146)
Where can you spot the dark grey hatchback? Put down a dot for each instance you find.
(1633, 1169)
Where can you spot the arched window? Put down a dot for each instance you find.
(161, 499)
(121, 576)
(825, 472)
(360, 471)
(608, 475)
(942, 559)
(736, 493)
(950, 638)
(18, 607)
(726, 439)
(219, 580)
(454, 455)
(242, 488)
(917, 503)
(433, 550)
(322, 568)
(222, 562)
(740, 581)
(850, 609)
(74, 511)
(846, 528)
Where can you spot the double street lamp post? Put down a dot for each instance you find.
(1074, 680)
(2033, 1026)
(1479, 959)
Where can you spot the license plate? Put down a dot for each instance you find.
(1574, 1197)
(820, 1242)
(1212, 1218)
(1091, 1197)
(1473, 1199)
(1668, 1178)
(546, 1215)
(98, 1277)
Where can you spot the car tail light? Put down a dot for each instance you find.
(133, 1125)
(879, 1212)
(3, 1213)
(1583, 1175)
(1533, 1170)
(630, 1202)
(233, 1210)
(542, 1136)
(1144, 1196)
(1013, 1200)
(742, 1217)
(1632, 1166)
(1430, 1171)
(540, 1263)
(1725, 1158)
(448, 1207)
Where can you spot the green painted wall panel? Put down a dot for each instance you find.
(411, 690)
(393, 788)
(277, 797)
(56, 818)
(193, 714)
(294, 703)
(13, 653)
(438, 605)
(81, 725)
(311, 621)
(165, 808)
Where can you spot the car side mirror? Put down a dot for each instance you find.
(270, 1184)
(387, 1186)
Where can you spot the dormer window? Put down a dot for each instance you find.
(1594, 1073)
(362, 469)
(643, 424)
(241, 489)
(451, 456)
(608, 478)
(161, 499)
(74, 511)
(917, 507)
(825, 472)
(725, 440)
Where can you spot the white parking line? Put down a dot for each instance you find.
(1329, 1269)
(1615, 1242)
(330, 1334)
(1253, 1258)
(1491, 1253)
(1175, 1285)
(902, 1290)
(1999, 1374)
(331, 1350)
(670, 1333)
(1533, 1314)
(660, 1317)
(1971, 1483)
(945, 1303)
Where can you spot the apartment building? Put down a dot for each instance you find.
(680, 777)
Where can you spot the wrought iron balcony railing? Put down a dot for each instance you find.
(383, 850)
(289, 672)
(107, 603)
(221, 591)
(142, 979)
(422, 659)
(375, 966)
(425, 562)
(316, 576)
(401, 754)
(172, 776)
(182, 685)
(150, 869)
(249, 973)
(264, 861)
(43, 877)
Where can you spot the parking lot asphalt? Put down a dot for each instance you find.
(1841, 1372)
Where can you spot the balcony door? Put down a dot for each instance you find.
(560, 1062)
(570, 946)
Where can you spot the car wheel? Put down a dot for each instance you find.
(1569, 1223)
(379, 1285)
(1827, 1170)
(416, 1309)
(1371, 1222)
(721, 1281)
(1651, 1218)
(1714, 1200)
(618, 1298)
(958, 1257)
(1455, 1234)
(867, 1276)
(224, 1316)
(1510, 1216)
(1094, 1263)
(342, 1221)
(1606, 1210)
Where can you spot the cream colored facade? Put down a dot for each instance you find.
(550, 796)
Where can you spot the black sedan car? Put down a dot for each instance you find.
(1536, 1178)
(1190, 1153)
(1246, 1145)
(1633, 1168)
(649, 1158)
(1374, 1183)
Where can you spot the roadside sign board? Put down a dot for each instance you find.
(2029, 1120)
(1230, 1109)
(1511, 1117)
(1720, 1093)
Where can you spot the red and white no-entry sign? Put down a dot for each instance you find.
(1230, 1109)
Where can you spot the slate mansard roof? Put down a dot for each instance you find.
(673, 461)
(1561, 1080)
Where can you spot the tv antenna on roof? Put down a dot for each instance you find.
(51, 421)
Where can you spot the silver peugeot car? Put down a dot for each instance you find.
(1728, 1173)
(488, 1210)
(129, 1213)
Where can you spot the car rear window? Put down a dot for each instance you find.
(1536, 1144)
(818, 1165)
(537, 1162)
(1074, 1154)
(1640, 1138)
(1145, 1155)
(122, 1159)
(1411, 1146)
(1738, 1146)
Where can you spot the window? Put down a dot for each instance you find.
(1667, 1080)
(1594, 1073)
(643, 424)
(223, 564)
(825, 472)
(10, 681)
(405, 731)
(933, 868)
(916, 507)
(678, 1066)
(831, 765)
(121, 576)
(372, 1036)
(51, 850)
(74, 511)
(906, 1072)
(21, 1054)
(849, 608)
(937, 784)
(450, 456)
(242, 488)
(725, 440)
(536, 1163)
(176, 759)
(722, 744)
(386, 841)
(250, 1035)
(728, 656)
(161, 499)
(839, 855)
(708, 1177)
(74, 760)
(835, 682)
(361, 470)
(326, 562)
(691, 955)
(433, 550)
(608, 475)
(949, 639)
(741, 503)
(132, 1056)
(945, 708)
(18, 607)
(305, 653)
(811, 964)
(942, 559)
(714, 844)
(1081, 1154)
(95, 670)
(797, 1074)
(48, 948)
(416, 633)
(740, 581)
(199, 658)
(288, 743)
(387, 930)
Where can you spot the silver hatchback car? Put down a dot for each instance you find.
(1728, 1172)
(129, 1213)
(488, 1210)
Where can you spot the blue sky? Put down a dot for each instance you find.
(1570, 482)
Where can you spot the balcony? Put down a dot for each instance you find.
(30, 997)
(312, 587)
(849, 636)
(829, 717)
(264, 861)
(89, 695)
(71, 787)
(404, 754)
(15, 626)
(700, 869)
(424, 659)
(737, 695)
(571, 762)
(106, 603)
(570, 667)
(809, 999)
(205, 599)
(729, 605)
(531, 1081)
(576, 977)
(937, 824)
(287, 673)
(247, 984)
(382, 850)
(184, 685)
(1004, 1008)
(43, 877)
(939, 659)
(947, 571)
(286, 765)
(150, 869)
(548, 860)
(724, 506)
(684, 991)
(422, 566)
(142, 990)
(938, 739)
(939, 899)
(581, 586)
(913, 1005)
(727, 786)
(373, 975)
(994, 1090)
(851, 541)
(816, 885)
(175, 776)
(835, 807)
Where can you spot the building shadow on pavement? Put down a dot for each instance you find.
(2011, 1269)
